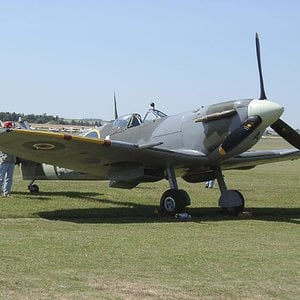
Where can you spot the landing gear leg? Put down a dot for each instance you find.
(231, 202)
(173, 200)
(33, 188)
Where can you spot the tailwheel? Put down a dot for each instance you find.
(232, 202)
(173, 201)
(33, 188)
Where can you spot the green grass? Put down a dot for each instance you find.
(82, 240)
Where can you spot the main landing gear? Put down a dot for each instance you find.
(175, 200)
(231, 202)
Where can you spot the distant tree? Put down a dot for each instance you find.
(44, 118)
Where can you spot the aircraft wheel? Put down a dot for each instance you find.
(34, 189)
(232, 202)
(173, 201)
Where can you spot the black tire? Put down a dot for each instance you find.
(34, 189)
(173, 201)
(185, 197)
(234, 210)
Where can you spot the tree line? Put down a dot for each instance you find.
(44, 118)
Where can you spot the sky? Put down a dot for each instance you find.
(67, 58)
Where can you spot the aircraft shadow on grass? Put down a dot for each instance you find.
(50, 195)
(86, 196)
(131, 212)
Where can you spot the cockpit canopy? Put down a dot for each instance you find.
(127, 121)
(133, 120)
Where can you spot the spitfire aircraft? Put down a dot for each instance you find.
(197, 146)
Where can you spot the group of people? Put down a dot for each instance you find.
(7, 166)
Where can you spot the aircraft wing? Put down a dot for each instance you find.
(102, 157)
(89, 155)
(251, 159)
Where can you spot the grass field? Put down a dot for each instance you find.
(82, 240)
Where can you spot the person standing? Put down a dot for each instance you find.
(7, 166)
(210, 183)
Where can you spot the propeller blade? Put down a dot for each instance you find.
(239, 134)
(261, 80)
(282, 128)
(287, 132)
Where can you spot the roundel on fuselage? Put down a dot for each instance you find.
(94, 133)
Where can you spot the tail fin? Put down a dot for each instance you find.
(23, 124)
(115, 104)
